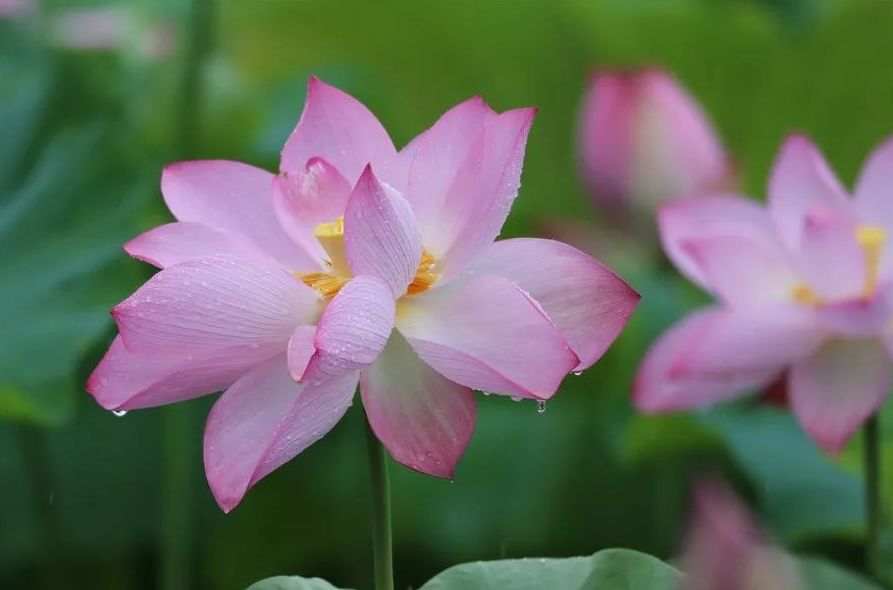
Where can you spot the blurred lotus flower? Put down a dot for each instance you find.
(726, 550)
(112, 28)
(285, 290)
(16, 8)
(803, 294)
(644, 140)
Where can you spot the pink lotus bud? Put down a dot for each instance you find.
(644, 139)
(726, 550)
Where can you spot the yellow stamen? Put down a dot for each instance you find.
(325, 284)
(424, 276)
(804, 295)
(871, 238)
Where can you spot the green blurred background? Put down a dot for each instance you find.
(90, 500)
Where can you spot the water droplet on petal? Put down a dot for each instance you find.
(577, 373)
(119, 413)
(486, 392)
(516, 398)
(541, 406)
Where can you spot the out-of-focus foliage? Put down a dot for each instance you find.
(84, 135)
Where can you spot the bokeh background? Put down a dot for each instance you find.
(90, 110)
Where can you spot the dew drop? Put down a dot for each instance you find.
(119, 413)
(486, 392)
(577, 373)
(516, 398)
(541, 406)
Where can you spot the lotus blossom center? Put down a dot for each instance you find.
(871, 239)
(328, 282)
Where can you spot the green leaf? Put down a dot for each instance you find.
(819, 574)
(292, 583)
(611, 569)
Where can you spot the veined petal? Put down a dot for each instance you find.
(485, 333)
(304, 198)
(355, 326)
(423, 419)
(801, 182)
(301, 348)
(834, 391)
(585, 300)
(125, 380)
(742, 270)
(758, 339)
(686, 219)
(209, 303)
(232, 197)
(265, 419)
(464, 178)
(381, 238)
(659, 387)
(337, 127)
(830, 258)
(173, 243)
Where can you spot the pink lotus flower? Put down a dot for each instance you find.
(802, 294)
(356, 263)
(644, 139)
(726, 550)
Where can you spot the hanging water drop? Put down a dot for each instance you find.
(486, 392)
(577, 373)
(541, 406)
(516, 398)
(119, 413)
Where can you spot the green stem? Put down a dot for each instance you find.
(177, 531)
(381, 513)
(872, 456)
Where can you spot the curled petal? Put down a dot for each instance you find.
(423, 419)
(265, 419)
(209, 303)
(232, 197)
(337, 127)
(301, 348)
(835, 390)
(381, 238)
(355, 326)
(487, 334)
(585, 300)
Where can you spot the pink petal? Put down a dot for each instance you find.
(585, 300)
(173, 243)
(873, 195)
(381, 238)
(753, 340)
(125, 380)
(355, 326)
(424, 419)
(464, 178)
(856, 317)
(265, 419)
(834, 391)
(209, 303)
(337, 127)
(802, 181)
(687, 219)
(659, 386)
(606, 138)
(485, 333)
(741, 269)
(306, 197)
(830, 259)
(301, 348)
(874, 188)
(232, 197)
